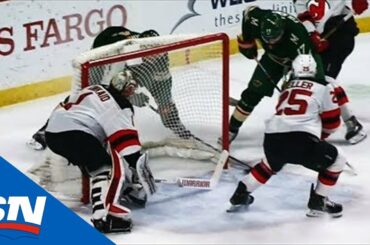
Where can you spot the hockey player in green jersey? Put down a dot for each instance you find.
(282, 37)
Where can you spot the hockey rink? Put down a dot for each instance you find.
(184, 216)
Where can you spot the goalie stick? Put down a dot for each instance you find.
(197, 183)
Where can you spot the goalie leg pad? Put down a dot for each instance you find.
(145, 175)
(98, 192)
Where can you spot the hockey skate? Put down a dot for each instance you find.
(241, 199)
(355, 132)
(320, 205)
(38, 141)
(112, 224)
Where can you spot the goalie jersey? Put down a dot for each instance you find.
(102, 113)
(321, 11)
(305, 106)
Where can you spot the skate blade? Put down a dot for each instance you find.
(358, 138)
(318, 214)
(237, 208)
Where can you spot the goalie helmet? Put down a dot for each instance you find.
(272, 28)
(123, 81)
(304, 65)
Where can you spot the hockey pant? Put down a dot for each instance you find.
(297, 148)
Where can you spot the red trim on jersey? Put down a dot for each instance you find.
(341, 96)
(330, 119)
(121, 133)
(127, 143)
(328, 177)
(123, 139)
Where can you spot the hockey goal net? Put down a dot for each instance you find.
(183, 92)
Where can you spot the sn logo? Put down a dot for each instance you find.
(9, 212)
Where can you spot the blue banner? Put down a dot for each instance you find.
(30, 215)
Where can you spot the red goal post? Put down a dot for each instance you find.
(192, 49)
(85, 67)
(182, 75)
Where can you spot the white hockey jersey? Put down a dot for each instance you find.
(322, 11)
(305, 106)
(96, 111)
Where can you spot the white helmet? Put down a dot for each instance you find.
(304, 65)
(122, 80)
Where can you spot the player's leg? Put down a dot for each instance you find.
(329, 163)
(275, 152)
(38, 141)
(161, 91)
(94, 161)
(342, 43)
(259, 86)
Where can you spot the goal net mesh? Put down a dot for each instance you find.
(183, 90)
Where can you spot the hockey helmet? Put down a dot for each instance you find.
(123, 81)
(272, 28)
(304, 65)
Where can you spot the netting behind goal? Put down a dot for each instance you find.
(185, 78)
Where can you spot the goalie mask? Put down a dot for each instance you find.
(124, 83)
(304, 65)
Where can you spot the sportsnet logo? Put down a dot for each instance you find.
(25, 218)
(18, 214)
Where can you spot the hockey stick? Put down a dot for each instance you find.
(267, 74)
(231, 158)
(196, 183)
(351, 170)
(341, 22)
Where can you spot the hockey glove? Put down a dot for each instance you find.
(359, 6)
(306, 16)
(320, 44)
(247, 48)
